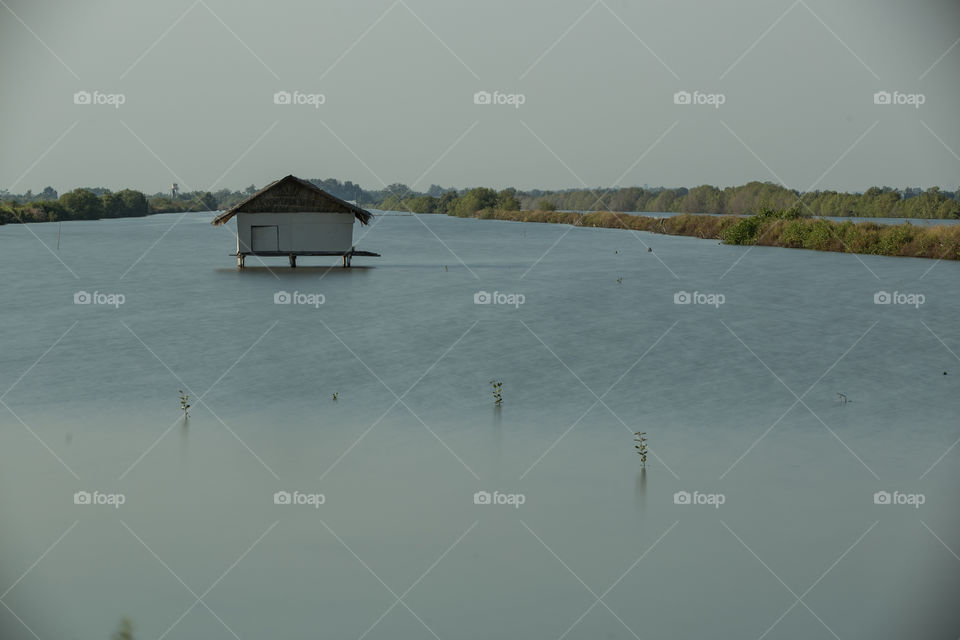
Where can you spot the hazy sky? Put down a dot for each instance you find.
(397, 78)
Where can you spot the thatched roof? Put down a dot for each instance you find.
(292, 195)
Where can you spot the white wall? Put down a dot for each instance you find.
(309, 231)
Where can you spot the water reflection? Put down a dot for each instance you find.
(184, 432)
(640, 489)
(498, 434)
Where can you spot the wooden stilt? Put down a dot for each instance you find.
(346, 257)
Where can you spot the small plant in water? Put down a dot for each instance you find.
(640, 438)
(336, 395)
(185, 404)
(619, 279)
(497, 392)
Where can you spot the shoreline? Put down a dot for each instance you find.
(768, 228)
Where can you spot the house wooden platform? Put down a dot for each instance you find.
(293, 217)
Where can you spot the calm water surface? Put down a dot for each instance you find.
(739, 401)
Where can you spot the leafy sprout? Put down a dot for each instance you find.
(640, 440)
(497, 392)
(185, 404)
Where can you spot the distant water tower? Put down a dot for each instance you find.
(174, 190)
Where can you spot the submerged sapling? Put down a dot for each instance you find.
(497, 392)
(336, 395)
(185, 404)
(640, 438)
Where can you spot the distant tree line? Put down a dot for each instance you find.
(876, 202)
(79, 204)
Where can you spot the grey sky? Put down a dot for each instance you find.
(398, 78)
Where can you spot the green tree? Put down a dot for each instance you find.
(134, 203)
(663, 202)
(626, 199)
(398, 189)
(475, 200)
(82, 204)
(112, 205)
(446, 202)
(391, 203)
(419, 204)
(207, 201)
(507, 200)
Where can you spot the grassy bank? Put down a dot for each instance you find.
(771, 228)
